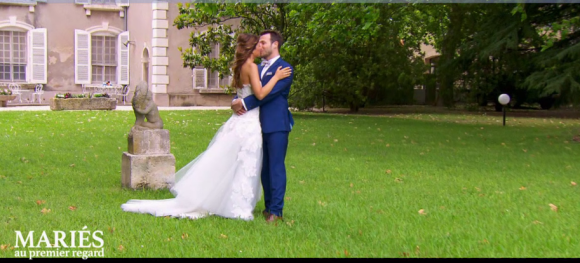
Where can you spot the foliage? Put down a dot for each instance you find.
(69, 95)
(5, 92)
(353, 55)
(218, 19)
(345, 53)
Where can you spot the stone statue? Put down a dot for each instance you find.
(148, 162)
(145, 109)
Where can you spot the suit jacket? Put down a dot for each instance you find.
(274, 113)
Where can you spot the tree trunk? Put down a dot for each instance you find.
(450, 45)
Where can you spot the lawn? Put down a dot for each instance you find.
(402, 185)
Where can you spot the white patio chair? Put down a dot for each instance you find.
(124, 93)
(38, 91)
(16, 90)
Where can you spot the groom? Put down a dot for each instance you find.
(276, 121)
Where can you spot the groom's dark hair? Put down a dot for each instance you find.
(274, 37)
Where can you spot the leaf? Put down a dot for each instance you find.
(522, 188)
(223, 236)
(121, 248)
(367, 25)
(573, 183)
(554, 208)
(40, 202)
(111, 230)
(388, 171)
(346, 253)
(4, 247)
(45, 211)
(422, 212)
(72, 208)
(351, 185)
(388, 145)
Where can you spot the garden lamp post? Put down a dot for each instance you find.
(503, 99)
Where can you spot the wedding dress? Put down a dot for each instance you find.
(224, 180)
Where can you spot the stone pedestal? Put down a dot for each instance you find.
(148, 162)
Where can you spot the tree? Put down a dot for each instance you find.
(252, 18)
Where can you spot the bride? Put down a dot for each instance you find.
(223, 180)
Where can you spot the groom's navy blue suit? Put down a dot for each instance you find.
(276, 121)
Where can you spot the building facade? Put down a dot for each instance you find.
(73, 47)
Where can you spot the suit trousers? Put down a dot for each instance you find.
(273, 174)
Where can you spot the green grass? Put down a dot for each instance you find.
(355, 187)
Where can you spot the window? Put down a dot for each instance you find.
(433, 63)
(103, 59)
(13, 56)
(101, 55)
(205, 79)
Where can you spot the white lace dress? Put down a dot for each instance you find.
(224, 180)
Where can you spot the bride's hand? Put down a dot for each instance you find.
(283, 73)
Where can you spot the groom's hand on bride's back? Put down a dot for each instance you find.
(238, 107)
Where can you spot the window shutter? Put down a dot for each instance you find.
(123, 58)
(200, 78)
(37, 60)
(82, 57)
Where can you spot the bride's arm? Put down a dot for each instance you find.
(259, 91)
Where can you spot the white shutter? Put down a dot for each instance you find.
(37, 56)
(123, 58)
(83, 2)
(122, 2)
(199, 78)
(82, 57)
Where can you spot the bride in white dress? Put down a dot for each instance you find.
(223, 180)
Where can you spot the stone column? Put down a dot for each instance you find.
(160, 58)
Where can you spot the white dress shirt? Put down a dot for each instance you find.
(271, 61)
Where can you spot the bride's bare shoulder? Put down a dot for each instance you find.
(250, 65)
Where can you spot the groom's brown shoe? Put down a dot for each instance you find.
(266, 213)
(273, 219)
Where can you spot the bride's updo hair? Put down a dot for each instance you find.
(246, 45)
